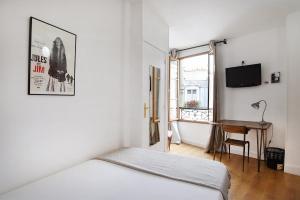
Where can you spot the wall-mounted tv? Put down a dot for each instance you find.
(243, 76)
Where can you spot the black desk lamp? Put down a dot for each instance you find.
(257, 105)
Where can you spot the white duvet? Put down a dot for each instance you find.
(100, 180)
(202, 172)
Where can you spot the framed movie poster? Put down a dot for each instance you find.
(52, 59)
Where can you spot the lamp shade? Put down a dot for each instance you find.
(255, 105)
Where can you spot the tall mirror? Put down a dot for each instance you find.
(154, 105)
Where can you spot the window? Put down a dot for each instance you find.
(192, 85)
(173, 90)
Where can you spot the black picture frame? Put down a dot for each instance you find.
(51, 59)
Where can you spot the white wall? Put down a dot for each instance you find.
(42, 134)
(132, 91)
(155, 29)
(268, 48)
(194, 133)
(292, 164)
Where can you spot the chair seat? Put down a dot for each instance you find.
(242, 143)
(236, 142)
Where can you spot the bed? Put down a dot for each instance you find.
(103, 178)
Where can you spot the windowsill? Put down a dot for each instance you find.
(193, 121)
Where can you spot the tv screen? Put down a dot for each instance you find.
(243, 76)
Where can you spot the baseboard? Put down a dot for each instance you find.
(292, 169)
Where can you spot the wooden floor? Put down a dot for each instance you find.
(267, 184)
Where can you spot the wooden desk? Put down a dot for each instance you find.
(260, 128)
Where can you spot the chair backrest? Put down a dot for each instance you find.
(235, 129)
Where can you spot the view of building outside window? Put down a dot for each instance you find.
(193, 88)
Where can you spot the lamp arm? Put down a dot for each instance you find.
(262, 118)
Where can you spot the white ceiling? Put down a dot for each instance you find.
(194, 22)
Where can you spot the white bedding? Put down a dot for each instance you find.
(100, 180)
(199, 171)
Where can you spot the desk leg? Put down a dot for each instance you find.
(215, 139)
(261, 141)
(257, 138)
(214, 146)
(265, 144)
(222, 145)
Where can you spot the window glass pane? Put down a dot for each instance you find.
(173, 93)
(193, 88)
(211, 85)
(194, 77)
(173, 70)
(173, 89)
(173, 113)
(173, 103)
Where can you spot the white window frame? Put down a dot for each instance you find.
(179, 117)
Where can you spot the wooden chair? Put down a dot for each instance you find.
(227, 129)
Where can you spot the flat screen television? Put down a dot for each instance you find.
(243, 76)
